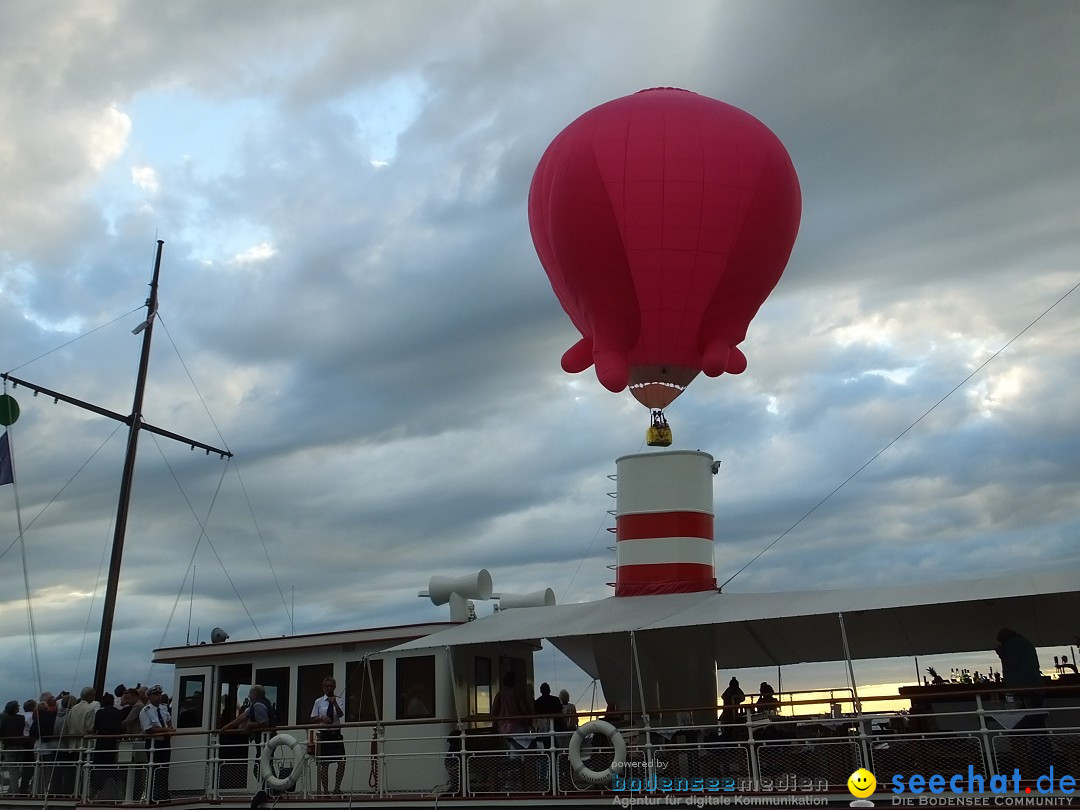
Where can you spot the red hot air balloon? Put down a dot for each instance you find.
(663, 219)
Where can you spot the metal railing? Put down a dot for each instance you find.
(758, 754)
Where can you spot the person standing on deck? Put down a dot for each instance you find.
(548, 704)
(513, 712)
(131, 706)
(569, 710)
(80, 721)
(545, 724)
(255, 719)
(43, 733)
(327, 712)
(767, 701)
(157, 725)
(1020, 666)
(17, 745)
(64, 773)
(732, 698)
(105, 779)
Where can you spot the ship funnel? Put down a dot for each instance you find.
(543, 598)
(664, 523)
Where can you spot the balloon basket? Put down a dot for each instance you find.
(659, 432)
(658, 436)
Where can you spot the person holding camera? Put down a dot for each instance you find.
(327, 713)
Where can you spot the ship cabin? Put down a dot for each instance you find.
(401, 708)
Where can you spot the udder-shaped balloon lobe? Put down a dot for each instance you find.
(612, 367)
(586, 261)
(758, 257)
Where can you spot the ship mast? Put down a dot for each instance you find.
(135, 424)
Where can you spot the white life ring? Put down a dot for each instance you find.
(617, 742)
(299, 750)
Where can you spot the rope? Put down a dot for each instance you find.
(191, 380)
(191, 561)
(373, 774)
(209, 542)
(73, 340)
(52, 500)
(262, 542)
(21, 540)
(902, 433)
(243, 489)
(90, 609)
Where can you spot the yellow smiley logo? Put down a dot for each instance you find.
(862, 783)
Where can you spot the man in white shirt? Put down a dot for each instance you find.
(156, 723)
(327, 713)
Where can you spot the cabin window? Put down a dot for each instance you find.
(235, 684)
(481, 702)
(309, 680)
(276, 683)
(191, 701)
(416, 687)
(359, 685)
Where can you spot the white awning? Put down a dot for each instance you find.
(770, 629)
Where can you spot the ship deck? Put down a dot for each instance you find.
(994, 754)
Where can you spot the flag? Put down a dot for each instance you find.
(7, 472)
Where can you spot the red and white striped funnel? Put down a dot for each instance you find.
(664, 523)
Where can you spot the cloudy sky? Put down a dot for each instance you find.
(351, 303)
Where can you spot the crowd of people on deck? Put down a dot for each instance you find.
(53, 730)
(518, 716)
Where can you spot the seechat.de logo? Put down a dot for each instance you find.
(862, 785)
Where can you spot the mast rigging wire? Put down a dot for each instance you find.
(73, 340)
(247, 500)
(61, 491)
(90, 609)
(21, 540)
(203, 533)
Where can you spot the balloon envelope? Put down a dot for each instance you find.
(663, 220)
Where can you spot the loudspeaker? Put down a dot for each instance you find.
(470, 586)
(217, 635)
(544, 598)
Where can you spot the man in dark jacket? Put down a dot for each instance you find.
(105, 779)
(17, 748)
(548, 704)
(1020, 666)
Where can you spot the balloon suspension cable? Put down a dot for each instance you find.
(658, 419)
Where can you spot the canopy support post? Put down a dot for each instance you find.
(453, 684)
(644, 708)
(850, 668)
